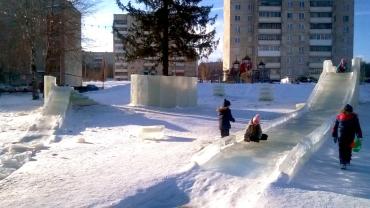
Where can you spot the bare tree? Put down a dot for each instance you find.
(40, 27)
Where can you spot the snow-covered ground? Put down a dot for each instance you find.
(114, 167)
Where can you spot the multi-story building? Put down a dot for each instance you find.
(97, 65)
(292, 37)
(178, 66)
(55, 43)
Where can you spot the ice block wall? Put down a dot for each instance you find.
(49, 82)
(163, 91)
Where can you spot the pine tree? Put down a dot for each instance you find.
(168, 28)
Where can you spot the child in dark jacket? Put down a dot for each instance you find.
(224, 117)
(345, 128)
(254, 131)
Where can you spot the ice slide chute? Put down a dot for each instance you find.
(291, 136)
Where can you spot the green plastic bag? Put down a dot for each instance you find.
(357, 146)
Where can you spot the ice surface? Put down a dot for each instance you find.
(219, 90)
(292, 136)
(49, 82)
(152, 132)
(266, 93)
(163, 91)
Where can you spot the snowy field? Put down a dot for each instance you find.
(114, 167)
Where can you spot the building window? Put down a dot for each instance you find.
(250, 7)
(321, 3)
(237, 29)
(301, 16)
(237, 40)
(301, 50)
(249, 18)
(237, 7)
(321, 48)
(269, 14)
(320, 26)
(289, 15)
(270, 2)
(290, 4)
(301, 26)
(301, 37)
(269, 37)
(120, 22)
(237, 18)
(290, 26)
(301, 60)
(288, 60)
(269, 48)
(301, 4)
(346, 29)
(269, 25)
(346, 18)
(317, 36)
(289, 38)
(321, 14)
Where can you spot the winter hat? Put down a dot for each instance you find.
(256, 119)
(226, 103)
(348, 108)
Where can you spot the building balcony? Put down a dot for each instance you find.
(269, 42)
(320, 53)
(121, 77)
(124, 70)
(321, 9)
(269, 31)
(321, 42)
(270, 8)
(316, 65)
(149, 64)
(272, 65)
(321, 20)
(269, 19)
(323, 31)
(120, 25)
(269, 53)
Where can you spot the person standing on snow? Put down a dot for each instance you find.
(346, 127)
(224, 117)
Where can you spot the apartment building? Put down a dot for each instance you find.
(292, 37)
(97, 65)
(57, 48)
(178, 66)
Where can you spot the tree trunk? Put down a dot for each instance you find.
(165, 38)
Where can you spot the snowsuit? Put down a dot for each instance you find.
(342, 67)
(253, 133)
(224, 117)
(345, 128)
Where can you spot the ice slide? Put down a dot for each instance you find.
(291, 138)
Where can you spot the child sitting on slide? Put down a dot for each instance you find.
(254, 132)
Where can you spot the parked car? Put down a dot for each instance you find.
(89, 87)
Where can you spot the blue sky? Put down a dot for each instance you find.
(98, 37)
